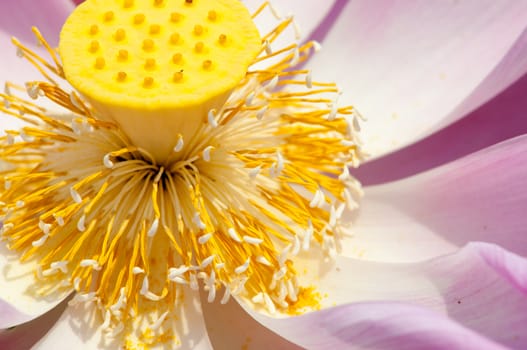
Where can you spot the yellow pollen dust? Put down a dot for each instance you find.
(163, 105)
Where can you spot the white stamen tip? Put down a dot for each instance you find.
(75, 195)
(90, 263)
(197, 220)
(212, 118)
(263, 260)
(153, 229)
(232, 233)
(107, 162)
(204, 238)
(252, 240)
(40, 242)
(81, 223)
(180, 143)
(206, 153)
(242, 268)
(206, 262)
(136, 270)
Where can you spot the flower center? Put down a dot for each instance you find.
(179, 164)
(158, 66)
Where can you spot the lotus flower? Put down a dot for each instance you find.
(435, 255)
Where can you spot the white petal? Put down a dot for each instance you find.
(77, 330)
(481, 197)
(19, 300)
(412, 67)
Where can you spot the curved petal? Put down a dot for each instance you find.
(481, 197)
(24, 336)
(412, 66)
(19, 299)
(230, 327)
(481, 289)
(16, 19)
(482, 128)
(388, 326)
(79, 327)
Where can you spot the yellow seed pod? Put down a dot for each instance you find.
(154, 31)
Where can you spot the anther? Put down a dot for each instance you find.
(175, 17)
(122, 55)
(155, 29)
(128, 3)
(177, 58)
(100, 63)
(158, 3)
(150, 63)
(212, 15)
(207, 64)
(199, 46)
(188, 1)
(148, 44)
(177, 76)
(121, 76)
(94, 46)
(109, 16)
(174, 38)
(120, 34)
(198, 30)
(139, 18)
(94, 29)
(222, 39)
(148, 82)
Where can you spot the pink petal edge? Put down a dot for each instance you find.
(481, 302)
(497, 120)
(17, 291)
(414, 67)
(24, 336)
(481, 197)
(16, 19)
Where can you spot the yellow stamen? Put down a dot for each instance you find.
(181, 164)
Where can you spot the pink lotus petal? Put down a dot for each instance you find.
(24, 336)
(18, 303)
(476, 296)
(80, 328)
(16, 19)
(412, 66)
(500, 119)
(387, 326)
(10, 316)
(481, 197)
